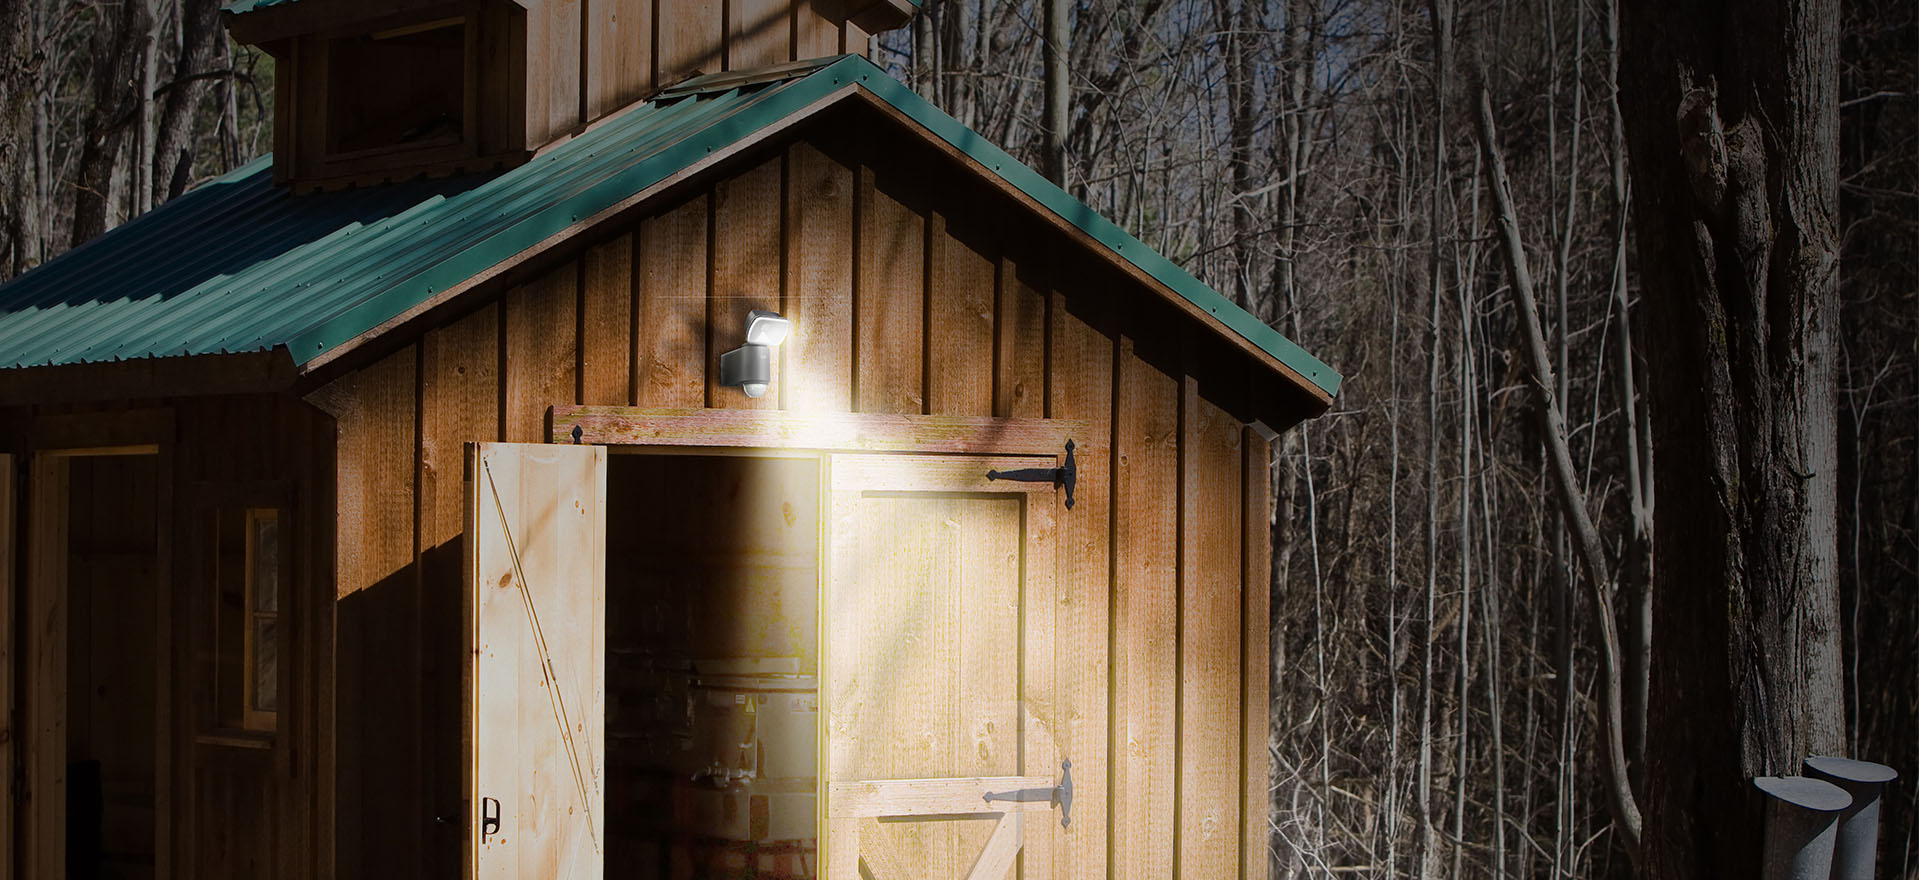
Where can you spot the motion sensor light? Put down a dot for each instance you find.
(766, 328)
(750, 367)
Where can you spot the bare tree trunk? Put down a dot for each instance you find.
(114, 94)
(955, 85)
(920, 73)
(42, 141)
(1238, 21)
(1057, 88)
(201, 39)
(1463, 550)
(229, 109)
(147, 67)
(1398, 282)
(1281, 531)
(1294, 145)
(1440, 13)
(20, 65)
(1731, 118)
(1636, 561)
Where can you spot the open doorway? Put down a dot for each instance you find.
(93, 683)
(712, 663)
(660, 642)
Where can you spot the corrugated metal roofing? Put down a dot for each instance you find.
(241, 264)
(242, 7)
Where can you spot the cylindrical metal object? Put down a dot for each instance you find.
(1859, 835)
(1801, 816)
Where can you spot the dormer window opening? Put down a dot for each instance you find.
(399, 89)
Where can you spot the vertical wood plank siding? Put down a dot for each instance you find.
(1146, 468)
(889, 298)
(459, 403)
(905, 297)
(1079, 365)
(746, 270)
(816, 370)
(1256, 488)
(1207, 843)
(381, 811)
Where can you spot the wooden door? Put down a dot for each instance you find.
(938, 659)
(535, 673)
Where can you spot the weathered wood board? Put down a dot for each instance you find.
(536, 674)
(938, 660)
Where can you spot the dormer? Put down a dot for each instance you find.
(368, 91)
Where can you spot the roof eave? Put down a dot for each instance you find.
(256, 25)
(1233, 324)
(253, 372)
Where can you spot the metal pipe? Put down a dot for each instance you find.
(1801, 825)
(1859, 838)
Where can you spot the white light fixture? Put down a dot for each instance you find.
(750, 367)
(766, 328)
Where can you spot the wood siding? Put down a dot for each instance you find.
(225, 804)
(908, 295)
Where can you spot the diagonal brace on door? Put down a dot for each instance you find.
(1008, 798)
(554, 697)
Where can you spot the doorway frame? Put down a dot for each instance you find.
(823, 435)
(57, 440)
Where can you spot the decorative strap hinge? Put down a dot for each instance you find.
(1060, 795)
(1064, 476)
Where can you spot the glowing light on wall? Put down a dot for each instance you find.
(750, 367)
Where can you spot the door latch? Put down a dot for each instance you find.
(1063, 476)
(489, 818)
(1060, 795)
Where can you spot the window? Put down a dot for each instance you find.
(245, 583)
(399, 89)
(260, 688)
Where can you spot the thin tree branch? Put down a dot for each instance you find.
(1626, 811)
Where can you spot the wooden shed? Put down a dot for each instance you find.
(384, 509)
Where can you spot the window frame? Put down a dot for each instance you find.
(252, 717)
(225, 713)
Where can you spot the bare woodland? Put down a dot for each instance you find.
(1599, 390)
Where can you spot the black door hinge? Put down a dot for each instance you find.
(1060, 796)
(1064, 476)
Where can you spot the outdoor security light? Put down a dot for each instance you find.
(751, 366)
(766, 328)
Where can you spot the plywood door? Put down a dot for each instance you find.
(938, 651)
(535, 673)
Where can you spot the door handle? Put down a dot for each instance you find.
(489, 818)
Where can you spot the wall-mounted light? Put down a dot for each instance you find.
(750, 367)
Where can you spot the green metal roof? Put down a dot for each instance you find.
(241, 264)
(242, 7)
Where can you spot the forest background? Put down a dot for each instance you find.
(1439, 694)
